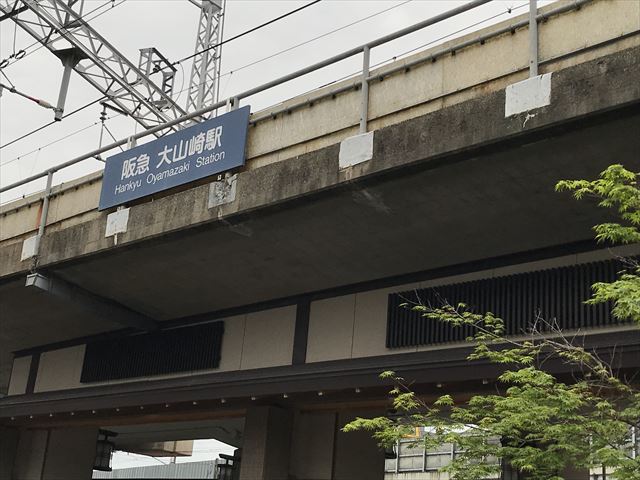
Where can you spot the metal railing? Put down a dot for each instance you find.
(234, 101)
(362, 84)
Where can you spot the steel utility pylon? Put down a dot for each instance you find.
(203, 83)
(58, 25)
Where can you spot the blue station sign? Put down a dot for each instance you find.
(208, 148)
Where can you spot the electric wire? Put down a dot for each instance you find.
(246, 32)
(39, 101)
(23, 52)
(112, 136)
(42, 147)
(86, 18)
(52, 122)
(311, 40)
(508, 11)
(182, 88)
(8, 79)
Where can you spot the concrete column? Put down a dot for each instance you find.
(55, 454)
(357, 456)
(312, 446)
(8, 447)
(266, 446)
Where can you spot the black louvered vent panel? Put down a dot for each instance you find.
(557, 293)
(158, 353)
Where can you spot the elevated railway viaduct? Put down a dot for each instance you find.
(280, 280)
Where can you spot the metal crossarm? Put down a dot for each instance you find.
(98, 62)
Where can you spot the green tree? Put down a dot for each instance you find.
(536, 422)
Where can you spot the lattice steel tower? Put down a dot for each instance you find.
(143, 92)
(203, 83)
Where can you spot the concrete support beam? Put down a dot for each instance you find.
(99, 306)
(267, 441)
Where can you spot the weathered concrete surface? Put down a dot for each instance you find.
(597, 86)
(565, 40)
(428, 198)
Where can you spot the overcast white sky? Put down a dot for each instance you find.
(202, 450)
(170, 26)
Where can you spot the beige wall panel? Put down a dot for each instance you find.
(370, 328)
(232, 340)
(268, 339)
(300, 149)
(60, 369)
(331, 329)
(19, 375)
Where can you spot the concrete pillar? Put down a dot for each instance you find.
(357, 456)
(266, 446)
(312, 446)
(307, 446)
(8, 447)
(55, 454)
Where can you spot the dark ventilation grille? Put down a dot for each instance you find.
(557, 293)
(158, 353)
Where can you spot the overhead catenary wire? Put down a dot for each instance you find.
(288, 49)
(265, 86)
(246, 32)
(79, 109)
(39, 101)
(509, 10)
(357, 73)
(87, 127)
(306, 42)
(23, 52)
(303, 71)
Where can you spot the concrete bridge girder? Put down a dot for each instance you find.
(302, 225)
